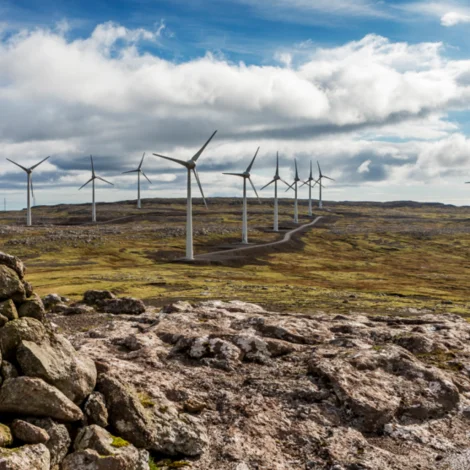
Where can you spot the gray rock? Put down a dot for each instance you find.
(13, 263)
(95, 297)
(6, 438)
(95, 409)
(11, 286)
(29, 433)
(163, 431)
(124, 305)
(51, 300)
(92, 460)
(28, 289)
(34, 397)
(59, 438)
(33, 308)
(56, 362)
(3, 320)
(30, 457)
(8, 309)
(11, 335)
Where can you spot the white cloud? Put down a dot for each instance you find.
(102, 95)
(453, 18)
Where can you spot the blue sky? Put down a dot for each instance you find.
(379, 91)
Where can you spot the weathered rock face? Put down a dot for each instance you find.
(95, 410)
(6, 437)
(13, 263)
(23, 329)
(11, 286)
(8, 309)
(27, 396)
(56, 362)
(32, 307)
(126, 305)
(35, 457)
(96, 297)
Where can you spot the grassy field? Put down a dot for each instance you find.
(376, 258)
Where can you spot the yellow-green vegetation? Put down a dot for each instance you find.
(167, 463)
(119, 442)
(145, 400)
(363, 257)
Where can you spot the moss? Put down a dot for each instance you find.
(119, 442)
(145, 400)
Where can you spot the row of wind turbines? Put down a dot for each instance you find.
(190, 166)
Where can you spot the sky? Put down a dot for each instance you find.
(377, 91)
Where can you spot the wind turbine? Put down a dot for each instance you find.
(310, 186)
(190, 166)
(320, 184)
(29, 172)
(246, 176)
(139, 171)
(92, 180)
(294, 186)
(276, 205)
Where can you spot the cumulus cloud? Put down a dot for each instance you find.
(107, 95)
(453, 18)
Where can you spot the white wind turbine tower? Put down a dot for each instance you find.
(92, 180)
(246, 176)
(294, 186)
(139, 171)
(310, 186)
(276, 205)
(320, 184)
(190, 166)
(29, 172)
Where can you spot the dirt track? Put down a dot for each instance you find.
(218, 255)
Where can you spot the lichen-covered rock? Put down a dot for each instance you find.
(27, 396)
(95, 409)
(29, 457)
(162, 430)
(92, 460)
(59, 438)
(8, 309)
(123, 305)
(13, 263)
(11, 286)
(6, 438)
(32, 307)
(96, 297)
(27, 329)
(51, 300)
(29, 433)
(56, 362)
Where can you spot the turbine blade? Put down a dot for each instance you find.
(198, 154)
(290, 186)
(303, 184)
(181, 162)
(141, 161)
(328, 178)
(254, 189)
(200, 187)
(37, 164)
(130, 171)
(319, 169)
(265, 186)
(296, 170)
(311, 171)
(17, 164)
(234, 174)
(277, 165)
(285, 182)
(32, 187)
(146, 178)
(252, 161)
(105, 181)
(92, 166)
(89, 181)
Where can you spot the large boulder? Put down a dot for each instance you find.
(8, 309)
(13, 263)
(57, 362)
(11, 286)
(124, 305)
(161, 429)
(91, 460)
(27, 329)
(33, 308)
(29, 433)
(96, 297)
(59, 439)
(52, 300)
(27, 396)
(35, 457)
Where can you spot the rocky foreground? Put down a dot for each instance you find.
(225, 386)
